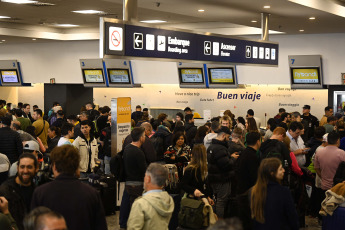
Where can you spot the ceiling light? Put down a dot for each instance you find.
(254, 21)
(201, 10)
(34, 39)
(4, 17)
(312, 18)
(3, 40)
(88, 12)
(301, 30)
(20, 1)
(65, 25)
(153, 21)
(267, 7)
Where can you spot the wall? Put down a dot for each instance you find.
(33, 95)
(263, 99)
(9, 94)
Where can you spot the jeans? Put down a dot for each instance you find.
(107, 165)
(124, 210)
(134, 191)
(222, 192)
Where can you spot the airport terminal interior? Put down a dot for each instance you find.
(143, 114)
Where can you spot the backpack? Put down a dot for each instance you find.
(274, 151)
(158, 145)
(117, 167)
(171, 184)
(52, 118)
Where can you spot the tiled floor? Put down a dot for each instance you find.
(113, 223)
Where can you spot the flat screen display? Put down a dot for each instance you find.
(221, 76)
(305, 75)
(93, 75)
(119, 76)
(191, 75)
(9, 76)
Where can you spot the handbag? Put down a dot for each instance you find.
(191, 214)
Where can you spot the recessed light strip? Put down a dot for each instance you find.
(153, 21)
(88, 12)
(20, 1)
(4, 17)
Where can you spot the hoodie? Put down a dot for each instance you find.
(208, 139)
(151, 210)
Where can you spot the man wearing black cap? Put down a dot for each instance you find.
(309, 122)
(10, 142)
(220, 169)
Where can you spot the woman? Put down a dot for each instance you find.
(271, 204)
(31, 130)
(178, 153)
(241, 123)
(53, 137)
(251, 125)
(194, 180)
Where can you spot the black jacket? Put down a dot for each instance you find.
(247, 165)
(134, 163)
(313, 144)
(191, 130)
(274, 146)
(147, 147)
(79, 203)
(52, 143)
(10, 144)
(310, 123)
(220, 163)
(161, 140)
(17, 204)
(190, 182)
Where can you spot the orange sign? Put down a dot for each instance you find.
(124, 110)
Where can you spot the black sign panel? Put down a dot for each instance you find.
(162, 43)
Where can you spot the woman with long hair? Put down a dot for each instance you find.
(195, 180)
(201, 132)
(271, 204)
(178, 153)
(251, 125)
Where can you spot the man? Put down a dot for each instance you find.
(297, 145)
(309, 122)
(24, 122)
(84, 116)
(235, 144)
(43, 218)
(105, 140)
(226, 121)
(285, 121)
(41, 126)
(313, 144)
(78, 202)
(135, 164)
(67, 133)
(329, 126)
(72, 119)
(102, 120)
(187, 110)
(10, 142)
(274, 147)
(220, 170)
(156, 206)
(137, 114)
(93, 114)
(34, 107)
(295, 116)
(18, 190)
(248, 163)
(190, 128)
(59, 119)
(327, 160)
(88, 149)
(278, 116)
(215, 126)
(328, 113)
(2, 109)
(250, 113)
(51, 111)
(27, 114)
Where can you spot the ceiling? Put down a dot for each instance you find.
(228, 17)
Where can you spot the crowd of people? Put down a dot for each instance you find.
(262, 178)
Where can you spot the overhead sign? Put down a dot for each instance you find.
(162, 43)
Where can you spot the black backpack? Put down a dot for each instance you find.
(117, 167)
(158, 144)
(273, 151)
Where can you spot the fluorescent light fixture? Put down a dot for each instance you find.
(201, 10)
(254, 21)
(301, 30)
(20, 1)
(34, 39)
(267, 7)
(3, 40)
(65, 25)
(153, 21)
(1, 17)
(88, 12)
(312, 18)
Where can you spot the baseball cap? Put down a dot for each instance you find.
(324, 138)
(32, 146)
(306, 107)
(5, 120)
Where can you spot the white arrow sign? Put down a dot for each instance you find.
(138, 41)
(248, 51)
(207, 48)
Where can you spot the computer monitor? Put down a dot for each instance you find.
(306, 77)
(191, 77)
(93, 76)
(10, 77)
(119, 76)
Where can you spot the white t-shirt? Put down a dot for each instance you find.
(63, 141)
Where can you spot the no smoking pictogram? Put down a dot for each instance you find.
(116, 38)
